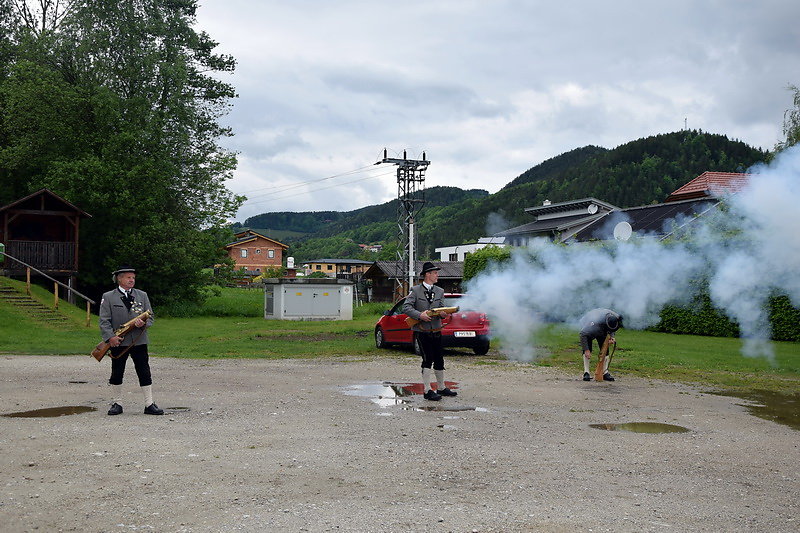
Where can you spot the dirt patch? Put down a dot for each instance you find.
(278, 446)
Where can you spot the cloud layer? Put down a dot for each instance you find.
(488, 89)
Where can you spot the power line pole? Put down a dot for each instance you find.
(410, 198)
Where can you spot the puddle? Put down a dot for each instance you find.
(775, 406)
(79, 382)
(389, 394)
(439, 407)
(51, 412)
(641, 427)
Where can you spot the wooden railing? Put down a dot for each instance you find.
(56, 285)
(45, 255)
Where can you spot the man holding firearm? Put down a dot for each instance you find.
(117, 307)
(427, 332)
(597, 325)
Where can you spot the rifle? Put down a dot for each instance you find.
(449, 310)
(598, 371)
(100, 350)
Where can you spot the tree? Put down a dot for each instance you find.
(791, 122)
(112, 105)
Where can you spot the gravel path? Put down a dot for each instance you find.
(300, 445)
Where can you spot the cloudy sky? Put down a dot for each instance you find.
(487, 88)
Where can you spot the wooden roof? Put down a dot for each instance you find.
(390, 269)
(44, 201)
(250, 235)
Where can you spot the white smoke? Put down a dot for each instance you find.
(747, 252)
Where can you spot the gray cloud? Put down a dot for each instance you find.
(489, 89)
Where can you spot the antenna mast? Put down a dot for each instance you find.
(410, 199)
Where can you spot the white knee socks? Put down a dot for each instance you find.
(439, 378)
(148, 395)
(116, 393)
(426, 379)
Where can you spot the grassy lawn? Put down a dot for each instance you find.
(238, 331)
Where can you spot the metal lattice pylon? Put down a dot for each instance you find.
(410, 199)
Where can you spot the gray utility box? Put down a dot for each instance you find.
(308, 299)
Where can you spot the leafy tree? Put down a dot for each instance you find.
(791, 122)
(113, 106)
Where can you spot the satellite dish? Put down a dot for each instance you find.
(592, 209)
(623, 231)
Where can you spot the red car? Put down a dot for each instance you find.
(463, 329)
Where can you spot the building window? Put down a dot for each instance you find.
(454, 257)
(330, 267)
(318, 267)
(244, 252)
(271, 254)
(258, 250)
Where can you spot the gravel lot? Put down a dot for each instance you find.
(300, 445)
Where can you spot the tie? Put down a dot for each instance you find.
(128, 300)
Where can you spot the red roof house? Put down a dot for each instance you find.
(710, 184)
(255, 252)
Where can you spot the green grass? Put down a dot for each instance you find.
(715, 361)
(711, 361)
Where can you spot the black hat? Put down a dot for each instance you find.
(427, 266)
(123, 269)
(613, 322)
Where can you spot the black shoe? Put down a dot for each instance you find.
(432, 395)
(586, 376)
(446, 392)
(153, 409)
(608, 377)
(116, 409)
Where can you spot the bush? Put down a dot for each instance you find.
(479, 260)
(702, 318)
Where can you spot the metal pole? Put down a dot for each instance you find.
(410, 253)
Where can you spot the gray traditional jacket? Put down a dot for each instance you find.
(113, 314)
(594, 323)
(417, 301)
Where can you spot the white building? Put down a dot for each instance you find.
(458, 253)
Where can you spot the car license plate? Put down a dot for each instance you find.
(464, 334)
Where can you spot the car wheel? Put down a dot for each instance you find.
(379, 340)
(483, 349)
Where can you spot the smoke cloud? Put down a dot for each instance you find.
(748, 251)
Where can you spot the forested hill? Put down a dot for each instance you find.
(640, 172)
(327, 223)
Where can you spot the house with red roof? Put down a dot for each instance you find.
(710, 185)
(255, 252)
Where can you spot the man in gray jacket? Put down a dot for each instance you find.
(596, 325)
(117, 307)
(427, 332)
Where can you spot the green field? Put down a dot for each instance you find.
(229, 325)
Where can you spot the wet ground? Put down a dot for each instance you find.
(343, 445)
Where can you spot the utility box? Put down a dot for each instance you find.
(308, 299)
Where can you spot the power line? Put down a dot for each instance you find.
(249, 203)
(298, 184)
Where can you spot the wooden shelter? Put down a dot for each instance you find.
(42, 230)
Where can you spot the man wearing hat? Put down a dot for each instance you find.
(427, 332)
(595, 325)
(117, 307)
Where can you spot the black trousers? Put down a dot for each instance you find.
(430, 346)
(141, 360)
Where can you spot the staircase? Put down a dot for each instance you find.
(32, 308)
